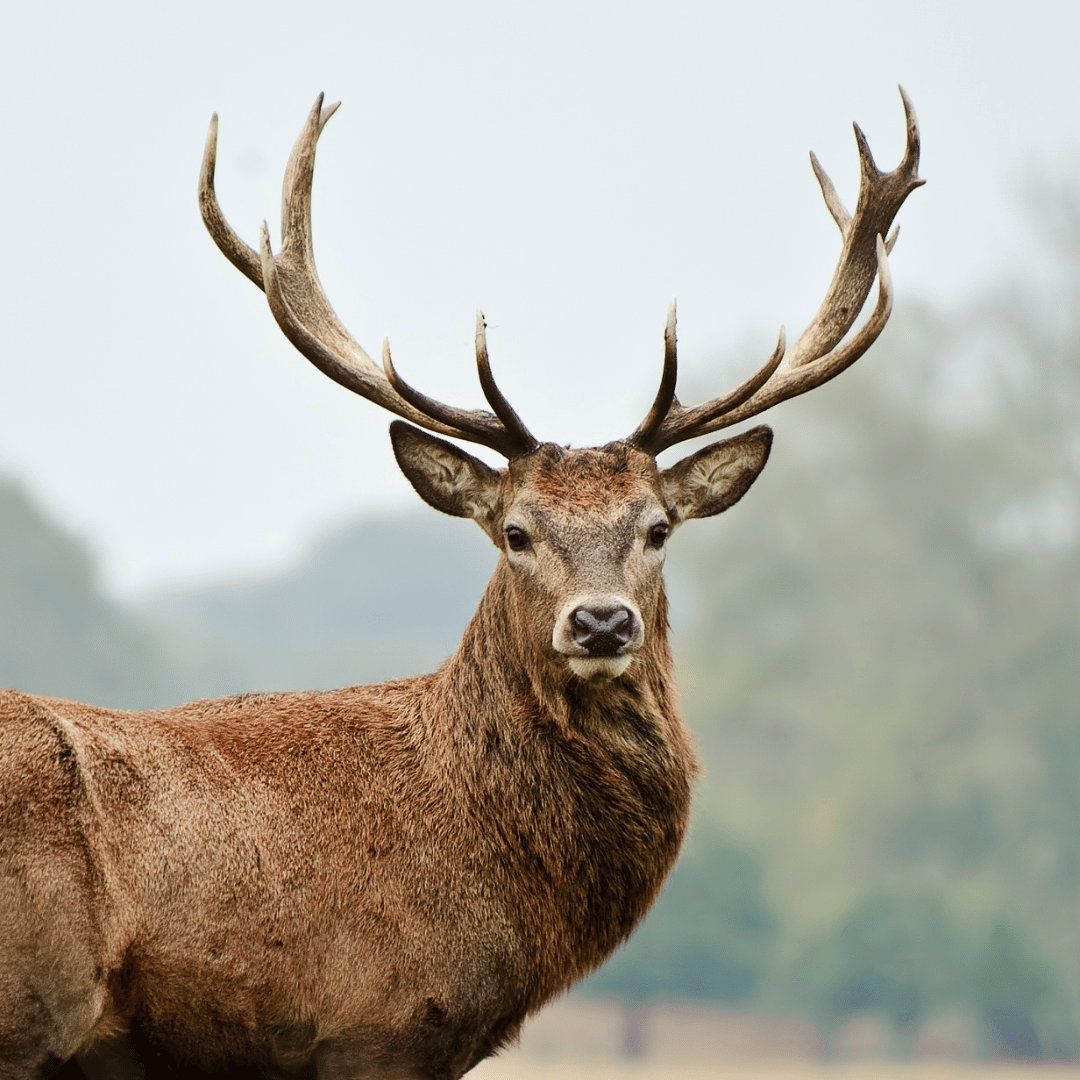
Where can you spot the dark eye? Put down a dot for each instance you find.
(658, 534)
(516, 539)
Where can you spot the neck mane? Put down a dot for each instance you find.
(592, 779)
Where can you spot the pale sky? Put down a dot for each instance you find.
(567, 167)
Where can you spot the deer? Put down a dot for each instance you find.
(387, 880)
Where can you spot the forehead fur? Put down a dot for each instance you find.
(586, 479)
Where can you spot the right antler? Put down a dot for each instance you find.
(303, 312)
(818, 354)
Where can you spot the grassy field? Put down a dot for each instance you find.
(512, 1067)
(577, 1038)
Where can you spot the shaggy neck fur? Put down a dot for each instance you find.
(588, 782)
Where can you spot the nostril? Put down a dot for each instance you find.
(585, 624)
(603, 631)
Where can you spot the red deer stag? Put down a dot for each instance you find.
(384, 881)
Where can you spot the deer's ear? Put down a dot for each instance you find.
(446, 477)
(717, 477)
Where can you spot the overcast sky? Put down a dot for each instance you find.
(568, 167)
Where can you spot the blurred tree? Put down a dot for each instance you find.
(878, 648)
(1009, 986)
(894, 955)
(374, 599)
(709, 936)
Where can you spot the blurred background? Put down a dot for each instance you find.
(877, 649)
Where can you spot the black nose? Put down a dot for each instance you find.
(602, 630)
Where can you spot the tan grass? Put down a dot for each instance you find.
(512, 1067)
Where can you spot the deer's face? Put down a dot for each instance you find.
(583, 532)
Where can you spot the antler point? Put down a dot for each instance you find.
(388, 365)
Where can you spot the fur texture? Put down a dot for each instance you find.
(376, 881)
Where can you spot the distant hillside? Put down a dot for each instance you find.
(374, 600)
(58, 634)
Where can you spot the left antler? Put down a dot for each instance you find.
(818, 354)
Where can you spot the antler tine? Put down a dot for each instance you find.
(678, 419)
(503, 409)
(817, 355)
(910, 160)
(474, 425)
(300, 282)
(244, 258)
(385, 389)
(302, 310)
(880, 197)
(828, 191)
(665, 398)
(299, 279)
(296, 188)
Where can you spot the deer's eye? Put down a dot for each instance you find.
(658, 534)
(516, 539)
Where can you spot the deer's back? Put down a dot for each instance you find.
(270, 857)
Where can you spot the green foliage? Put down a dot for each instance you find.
(895, 955)
(1009, 986)
(708, 936)
(961, 835)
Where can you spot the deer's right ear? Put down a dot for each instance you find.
(444, 476)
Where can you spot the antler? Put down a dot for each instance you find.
(818, 354)
(303, 312)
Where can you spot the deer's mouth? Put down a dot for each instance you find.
(599, 667)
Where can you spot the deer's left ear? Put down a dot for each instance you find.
(717, 477)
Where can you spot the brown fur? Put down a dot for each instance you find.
(380, 880)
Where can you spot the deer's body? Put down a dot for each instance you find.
(399, 873)
(410, 868)
(384, 881)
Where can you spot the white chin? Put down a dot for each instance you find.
(608, 667)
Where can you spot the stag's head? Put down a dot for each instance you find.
(582, 532)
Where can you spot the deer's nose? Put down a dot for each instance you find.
(603, 631)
